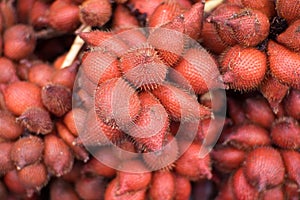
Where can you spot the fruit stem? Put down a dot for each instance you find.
(210, 5)
(75, 48)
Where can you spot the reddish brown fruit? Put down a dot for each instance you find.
(75, 173)
(144, 7)
(273, 91)
(60, 189)
(151, 126)
(248, 136)
(285, 133)
(192, 166)
(183, 188)
(95, 12)
(227, 159)
(133, 37)
(165, 157)
(36, 120)
(20, 41)
(162, 185)
(286, 75)
(8, 70)
(6, 163)
(74, 120)
(191, 20)
(95, 38)
(123, 19)
(79, 151)
(210, 38)
(57, 155)
(33, 177)
(112, 188)
(95, 167)
(274, 193)
(40, 74)
(264, 168)
(9, 129)
(66, 76)
(131, 182)
(9, 14)
(26, 151)
(288, 9)
(258, 111)
(20, 96)
(265, 6)
(291, 36)
(198, 69)
(250, 27)
(291, 160)
(57, 99)
(143, 68)
(90, 187)
(241, 188)
(38, 14)
(180, 105)
(114, 110)
(292, 104)
(243, 68)
(23, 10)
(164, 13)
(63, 16)
(218, 17)
(169, 41)
(226, 191)
(97, 133)
(13, 183)
(291, 190)
(235, 111)
(100, 66)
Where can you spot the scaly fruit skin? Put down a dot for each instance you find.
(198, 68)
(180, 104)
(291, 36)
(26, 151)
(258, 111)
(291, 160)
(162, 186)
(284, 64)
(292, 104)
(218, 17)
(273, 91)
(243, 68)
(143, 68)
(250, 27)
(111, 108)
(241, 187)
(285, 133)
(152, 124)
(288, 9)
(264, 168)
(192, 166)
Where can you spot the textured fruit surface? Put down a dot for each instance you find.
(151, 126)
(110, 105)
(243, 68)
(198, 69)
(264, 168)
(21, 95)
(291, 36)
(143, 68)
(281, 57)
(285, 133)
(241, 188)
